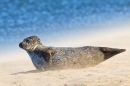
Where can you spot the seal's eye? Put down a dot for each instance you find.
(27, 41)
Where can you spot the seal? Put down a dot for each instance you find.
(44, 57)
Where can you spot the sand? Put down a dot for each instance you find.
(112, 72)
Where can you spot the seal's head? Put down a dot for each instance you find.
(30, 43)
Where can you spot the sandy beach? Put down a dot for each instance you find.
(112, 72)
(64, 23)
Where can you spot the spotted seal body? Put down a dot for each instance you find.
(44, 57)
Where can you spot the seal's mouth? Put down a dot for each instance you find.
(22, 45)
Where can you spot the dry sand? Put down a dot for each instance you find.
(112, 72)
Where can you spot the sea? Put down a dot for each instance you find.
(58, 22)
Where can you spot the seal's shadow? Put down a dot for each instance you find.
(27, 72)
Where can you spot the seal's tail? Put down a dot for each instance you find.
(109, 52)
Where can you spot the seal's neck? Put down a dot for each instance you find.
(37, 47)
(33, 49)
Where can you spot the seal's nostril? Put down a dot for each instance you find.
(20, 45)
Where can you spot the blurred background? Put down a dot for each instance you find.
(60, 22)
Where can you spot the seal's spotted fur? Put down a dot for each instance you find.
(60, 57)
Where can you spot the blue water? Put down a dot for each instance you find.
(55, 20)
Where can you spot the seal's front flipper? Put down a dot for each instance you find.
(50, 57)
(48, 52)
(109, 52)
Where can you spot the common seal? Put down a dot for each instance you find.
(44, 57)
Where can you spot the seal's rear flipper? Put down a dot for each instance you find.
(109, 52)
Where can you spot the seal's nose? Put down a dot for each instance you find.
(20, 45)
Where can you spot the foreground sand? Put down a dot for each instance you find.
(112, 72)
